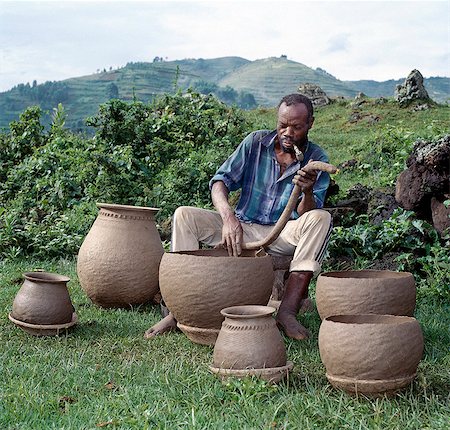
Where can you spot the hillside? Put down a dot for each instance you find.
(269, 79)
(233, 80)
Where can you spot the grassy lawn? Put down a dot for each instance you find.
(105, 374)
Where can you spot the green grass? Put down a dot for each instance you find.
(104, 373)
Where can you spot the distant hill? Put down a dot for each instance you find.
(271, 78)
(438, 88)
(233, 79)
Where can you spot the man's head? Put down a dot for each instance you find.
(295, 118)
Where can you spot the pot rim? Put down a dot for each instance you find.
(42, 276)
(247, 311)
(219, 254)
(113, 206)
(366, 274)
(369, 319)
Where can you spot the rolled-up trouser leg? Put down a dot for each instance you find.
(306, 238)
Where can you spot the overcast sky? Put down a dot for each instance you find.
(55, 40)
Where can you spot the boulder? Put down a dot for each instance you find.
(411, 90)
(426, 177)
(314, 93)
(440, 215)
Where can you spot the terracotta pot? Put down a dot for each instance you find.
(119, 259)
(196, 285)
(365, 292)
(43, 299)
(249, 339)
(370, 354)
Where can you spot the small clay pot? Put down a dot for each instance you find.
(196, 285)
(119, 259)
(43, 299)
(365, 292)
(249, 339)
(370, 354)
(249, 343)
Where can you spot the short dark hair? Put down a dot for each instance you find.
(298, 99)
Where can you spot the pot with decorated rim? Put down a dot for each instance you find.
(249, 343)
(118, 261)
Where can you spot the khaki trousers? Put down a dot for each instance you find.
(305, 239)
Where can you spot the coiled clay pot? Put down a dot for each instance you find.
(365, 292)
(370, 354)
(196, 285)
(42, 305)
(249, 343)
(119, 259)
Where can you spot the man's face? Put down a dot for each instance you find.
(293, 126)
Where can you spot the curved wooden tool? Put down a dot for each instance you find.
(291, 204)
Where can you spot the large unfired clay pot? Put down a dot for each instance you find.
(370, 354)
(43, 299)
(196, 285)
(249, 343)
(119, 259)
(365, 292)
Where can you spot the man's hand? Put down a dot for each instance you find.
(305, 180)
(232, 236)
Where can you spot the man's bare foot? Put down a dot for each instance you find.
(291, 327)
(167, 324)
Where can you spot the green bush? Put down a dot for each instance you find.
(161, 153)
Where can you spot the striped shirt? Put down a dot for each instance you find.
(253, 168)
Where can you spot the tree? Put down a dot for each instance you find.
(112, 91)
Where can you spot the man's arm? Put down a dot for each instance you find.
(232, 233)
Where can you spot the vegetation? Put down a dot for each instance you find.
(162, 154)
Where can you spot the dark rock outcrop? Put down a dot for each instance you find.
(426, 177)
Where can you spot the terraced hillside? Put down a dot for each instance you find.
(271, 78)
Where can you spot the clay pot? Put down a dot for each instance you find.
(370, 354)
(249, 340)
(43, 299)
(365, 292)
(196, 285)
(119, 259)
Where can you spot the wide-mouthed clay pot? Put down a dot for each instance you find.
(119, 259)
(249, 343)
(196, 285)
(370, 354)
(43, 299)
(365, 292)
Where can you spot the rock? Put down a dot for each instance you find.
(381, 205)
(427, 176)
(432, 154)
(360, 99)
(411, 90)
(440, 215)
(357, 198)
(349, 164)
(314, 93)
